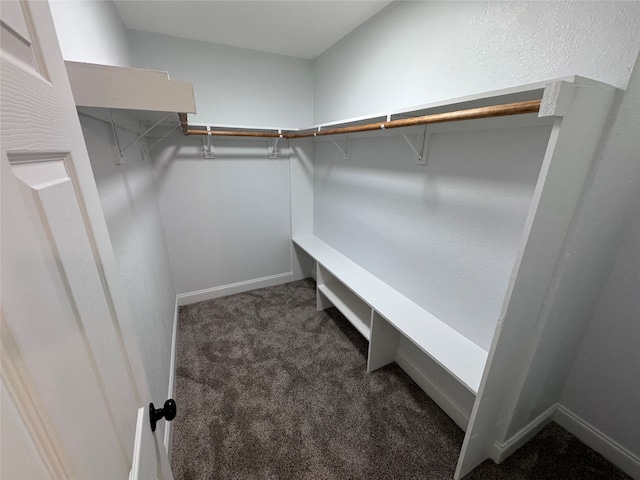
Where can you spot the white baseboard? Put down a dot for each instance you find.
(168, 429)
(624, 459)
(233, 288)
(500, 451)
(437, 394)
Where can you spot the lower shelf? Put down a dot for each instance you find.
(356, 292)
(352, 307)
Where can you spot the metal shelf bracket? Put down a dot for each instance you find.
(273, 150)
(207, 147)
(120, 151)
(420, 157)
(345, 153)
(162, 138)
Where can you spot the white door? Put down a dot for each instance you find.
(74, 399)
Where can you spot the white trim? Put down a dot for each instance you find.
(437, 394)
(134, 473)
(168, 428)
(500, 451)
(233, 288)
(620, 456)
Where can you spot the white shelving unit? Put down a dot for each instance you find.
(147, 96)
(352, 307)
(106, 86)
(576, 111)
(358, 295)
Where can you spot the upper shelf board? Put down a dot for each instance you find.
(127, 88)
(520, 93)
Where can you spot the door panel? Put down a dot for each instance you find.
(72, 376)
(38, 311)
(15, 36)
(51, 193)
(20, 454)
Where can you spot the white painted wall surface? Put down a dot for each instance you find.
(604, 383)
(603, 386)
(443, 234)
(232, 85)
(129, 201)
(91, 31)
(413, 53)
(228, 219)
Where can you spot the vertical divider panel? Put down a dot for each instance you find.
(383, 343)
(322, 302)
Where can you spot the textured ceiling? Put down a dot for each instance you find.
(301, 28)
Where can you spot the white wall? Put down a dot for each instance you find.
(601, 361)
(232, 85)
(419, 52)
(603, 386)
(91, 31)
(443, 234)
(228, 219)
(129, 201)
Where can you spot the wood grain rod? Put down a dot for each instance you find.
(234, 133)
(518, 108)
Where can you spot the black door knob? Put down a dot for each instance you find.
(168, 412)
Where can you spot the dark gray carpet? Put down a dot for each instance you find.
(268, 388)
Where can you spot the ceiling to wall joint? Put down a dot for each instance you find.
(301, 29)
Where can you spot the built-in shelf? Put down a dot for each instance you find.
(358, 289)
(520, 93)
(353, 308)
(147, 96)
(107, 86)
(511, 381)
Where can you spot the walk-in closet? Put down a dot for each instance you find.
(450, 188)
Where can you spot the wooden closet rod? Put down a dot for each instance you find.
(234, 133)
(531, 106)
(518, 108)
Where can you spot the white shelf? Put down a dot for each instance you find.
(354, 309)
(507, 382)
(462, 358)
(532, 91)
(107, 86)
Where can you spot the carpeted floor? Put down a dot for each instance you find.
(268, 388)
